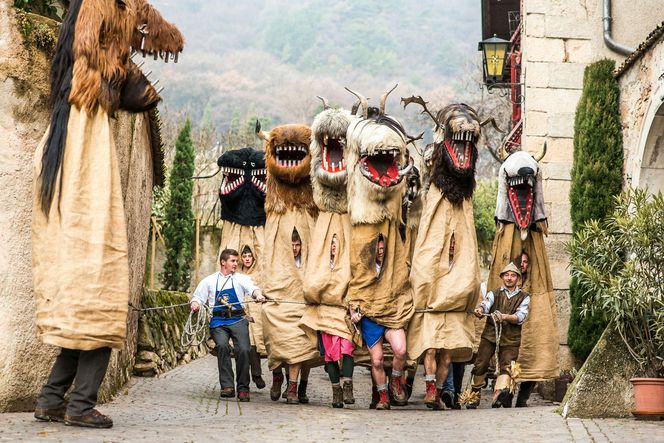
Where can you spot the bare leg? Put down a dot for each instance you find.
(444, 360)
(430, 362)
(397, 339)
(377, 370)
(294, 372)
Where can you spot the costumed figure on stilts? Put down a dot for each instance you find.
(378, 292)
(291, 215)
(521, 227)
(242, 199)
(328, 266)
(445, 274)
(79, 233)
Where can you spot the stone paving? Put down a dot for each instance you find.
(183, 405)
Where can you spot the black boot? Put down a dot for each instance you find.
(302, 391)
(525, 389)
(504, 399)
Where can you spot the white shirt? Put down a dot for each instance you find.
(521, 311)
(206, 290)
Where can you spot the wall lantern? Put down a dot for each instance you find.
(494, 53)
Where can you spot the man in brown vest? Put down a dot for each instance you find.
(508, 307)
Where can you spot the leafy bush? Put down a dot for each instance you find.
(596, 179)
(620, 264)
(179, 217)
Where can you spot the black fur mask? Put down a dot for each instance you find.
(242, 191)
(455, 185)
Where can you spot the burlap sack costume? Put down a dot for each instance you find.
(79, 253)
(448, 290)
(235, 236)
(285, 341)
(538, 354)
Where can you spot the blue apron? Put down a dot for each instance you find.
(221, 296)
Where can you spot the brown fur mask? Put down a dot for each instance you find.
(288, 162)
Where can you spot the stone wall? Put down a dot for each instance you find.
(24, 116)
(560, 38)
(159, 334)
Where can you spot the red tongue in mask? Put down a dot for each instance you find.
(521, 202)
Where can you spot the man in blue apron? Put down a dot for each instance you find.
(225, 291)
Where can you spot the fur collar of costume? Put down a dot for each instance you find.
(288, 163)
(520, 192)
(242, 190)
(329, 159)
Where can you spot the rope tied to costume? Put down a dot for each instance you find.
(498, 326)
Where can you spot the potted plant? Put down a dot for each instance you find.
(620, 263)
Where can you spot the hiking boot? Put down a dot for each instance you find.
(275, 390)
(337, 397)
(302, 392)
(94, 419)
(430, 396)
(438, 404)
(349, 399)
(258, 381)
(456, 404)
(243, 396)
(504, 399)
(476, 403)
(291, 394)
(447, 397)
(397, 393)
(55, 414)
(383, 400)
(375, 398)
(227, 393)
(408, 386)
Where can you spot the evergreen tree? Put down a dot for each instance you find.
(179, 218)
(596, 179)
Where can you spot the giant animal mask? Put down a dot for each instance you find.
(243, 186)
(288, 163)
(329, 158)
(378, 161)
(456, 132)
(520, 194)
(92, 68)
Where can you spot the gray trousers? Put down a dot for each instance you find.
(221, 335)
(85, 370)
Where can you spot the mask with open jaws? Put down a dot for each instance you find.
(520, 199)
(378, 162)
(329, 157)
(456, 131)
(243, 186)
(288, 162)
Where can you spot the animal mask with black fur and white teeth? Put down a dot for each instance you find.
(329, 159)
(520, 197)
(243, 186)
(456, 130)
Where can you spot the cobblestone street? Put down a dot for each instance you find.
(184, 405)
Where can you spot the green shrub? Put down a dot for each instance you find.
(619, 263)
(484, 206)
(596, 179)
(179, 217)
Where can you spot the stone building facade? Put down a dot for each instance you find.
(559, 39)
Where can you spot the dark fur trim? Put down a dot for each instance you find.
(453, 186)
(137, 94)
(246, 204)
(157, 147)
(61, 78)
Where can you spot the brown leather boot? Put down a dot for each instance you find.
(94, 419)
(349, 399)
(397, 394)
(337, 397)
(430, 396)
(275, 390)
(438, 404)
(383, 400)
(55, 414)
(291, 396)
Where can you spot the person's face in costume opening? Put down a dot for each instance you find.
(380, 252)
(509, 279)
(248, 259)
(296, 245)
(229, 266)
(333, 247)
(525, 261)
(452, 247)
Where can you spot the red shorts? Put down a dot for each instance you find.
(335, 347)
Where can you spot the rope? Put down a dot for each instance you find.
(195, 330)
(499, 330)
